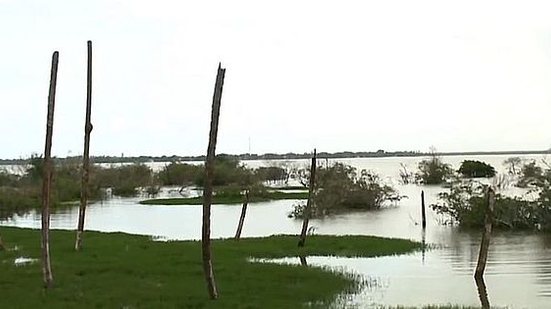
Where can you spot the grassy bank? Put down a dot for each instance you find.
(228, 199)
(118, 270)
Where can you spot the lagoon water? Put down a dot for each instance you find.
(518, 274)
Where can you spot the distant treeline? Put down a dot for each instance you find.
(285, 156)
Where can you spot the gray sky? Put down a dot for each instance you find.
(336, 75)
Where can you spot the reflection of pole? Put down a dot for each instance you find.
(303, 260)
(423, 215)
(308, 209)
(482, 293)
(485, 243)
(423, 244)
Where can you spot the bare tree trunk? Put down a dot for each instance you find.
(84, 190)
(423, 215)
(47, 178)
(242, 218)
(207, 190)
(308, 209)
(485, 243)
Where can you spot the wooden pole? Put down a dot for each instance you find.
(242, 218)
(207, 190)
(84, 190)
(482, 293)
(423, 215)
(485, 243)
(308, 208)
(47, 178)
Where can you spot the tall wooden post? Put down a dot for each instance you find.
(207, 190)
(47, 178)
(423, 215)
(242, 218)
(485, 243)
(84, 190)
(308, 209)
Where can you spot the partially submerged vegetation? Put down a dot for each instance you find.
(434, 171)
(341, 188)
(464, 203)
(20, 192)
(129, 271)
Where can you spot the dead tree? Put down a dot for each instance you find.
(47, 178)
(207, 190)
(485, 242)
(308, 209)
(84, 190)
(242, 218)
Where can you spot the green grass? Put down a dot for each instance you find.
(118, 270)
(228, 199)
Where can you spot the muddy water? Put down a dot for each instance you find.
(518, 273)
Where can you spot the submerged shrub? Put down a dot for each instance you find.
(227, 171)
(433, 171)
(124, 180)
(339, 188)
(465, 205)
(180, 174)
(476, 169)
(530, 175)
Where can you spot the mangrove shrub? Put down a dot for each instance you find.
(476, 169)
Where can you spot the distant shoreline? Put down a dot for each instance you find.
(286, 156)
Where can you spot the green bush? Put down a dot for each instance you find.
(227, 171)
(465, 204)
(476, 169)
(530, 175)
(124, 180)
(433, 171)
(272, 174)
(179, 174)
(339, 188)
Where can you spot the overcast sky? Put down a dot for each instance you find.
(335, 75)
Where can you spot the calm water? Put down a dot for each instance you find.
(518, 274)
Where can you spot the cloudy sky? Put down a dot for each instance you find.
(335, 75)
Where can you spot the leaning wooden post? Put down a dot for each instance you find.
(84, 190)
(207, 190)
(485, 243)
(423, 215)
(308, 209)
(242, 218)
(47, 178)
(482, 292)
